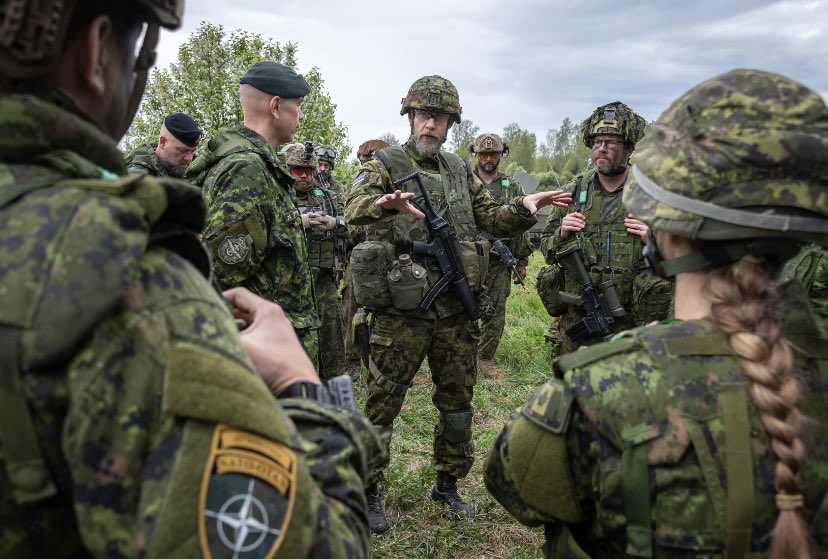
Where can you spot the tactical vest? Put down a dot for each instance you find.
(610, 252)
(320, 243)
(45, 315)
(450, 197)
(718, 500)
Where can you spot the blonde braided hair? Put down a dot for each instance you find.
(743, 296)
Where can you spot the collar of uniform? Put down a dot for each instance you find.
(145, 156)
(32, 127)
(498, 176)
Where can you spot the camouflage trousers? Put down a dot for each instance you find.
(331, 337)
(399, 345)
(498, 287)
(349, 308)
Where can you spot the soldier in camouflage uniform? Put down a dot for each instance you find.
(132, 422)
(702, 436)
(254, 229)
(172, 154)
(608, 238)
(391, 282)
(327, 161)
(324, 228)
(488, 149)
(365, 152)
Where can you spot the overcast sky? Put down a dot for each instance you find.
(533, 62)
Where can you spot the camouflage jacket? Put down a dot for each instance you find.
(322, 245)
(144, 160)
(374, 181)
(125, 368)
(625, 454)
(254, 229)
(504, 189)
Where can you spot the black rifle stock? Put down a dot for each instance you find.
(445, 250)
(504, 253)
(596, 318)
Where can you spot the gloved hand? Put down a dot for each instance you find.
(322, 222)
(307, 219)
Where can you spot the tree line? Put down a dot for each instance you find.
(203, 83)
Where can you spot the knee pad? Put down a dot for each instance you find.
(457, 425)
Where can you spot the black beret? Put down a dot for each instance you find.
(276, 79)
(183, 128)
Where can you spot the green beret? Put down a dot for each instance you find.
(276, 79)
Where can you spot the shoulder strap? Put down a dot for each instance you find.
(587, 355)
(26, 468)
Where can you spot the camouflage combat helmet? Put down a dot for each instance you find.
(489, 143)
(613, 118)
(326, 154)
(32, 36)
(433, 93)
(299, 155)
(32, 33)
(741, 156)
(370, 146)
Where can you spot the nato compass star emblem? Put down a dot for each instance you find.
(247, 496)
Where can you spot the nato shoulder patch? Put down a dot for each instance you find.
(247, 496)
(233, 249)
(549, 406)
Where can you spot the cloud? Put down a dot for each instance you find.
(534, 62)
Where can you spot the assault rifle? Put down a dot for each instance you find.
(445, 250)
(505, 255)
(340, 254)
(598, 306)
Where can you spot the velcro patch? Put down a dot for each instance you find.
(233, 249)
(549, 406)
(358, 180)
(247, 496)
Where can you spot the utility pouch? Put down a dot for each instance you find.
(370, 263)
(475, 258)
(652, 298)
(550, 283)
(407, 283)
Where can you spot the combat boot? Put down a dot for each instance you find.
(376, 516)
(445, 491)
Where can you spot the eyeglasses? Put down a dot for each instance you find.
(300, 172)
(610, 144)
(325, 152)
(428, 115)
(488, 155)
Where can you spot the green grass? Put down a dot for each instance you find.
(423, 529)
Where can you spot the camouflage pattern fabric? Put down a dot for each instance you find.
(779, 125)
(398, 347)
(646, 391)
(499, 278)
(144, 160)
(399, 344)
(433, 93)
(613, 118)
(326, 283)
(254, 229)
(132, 368)
(628, 266)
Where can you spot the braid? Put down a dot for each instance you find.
(743, 298)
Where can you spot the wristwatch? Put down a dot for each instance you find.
(339, 392)
(307, 390)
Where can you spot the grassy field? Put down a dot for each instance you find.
(421, 528)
